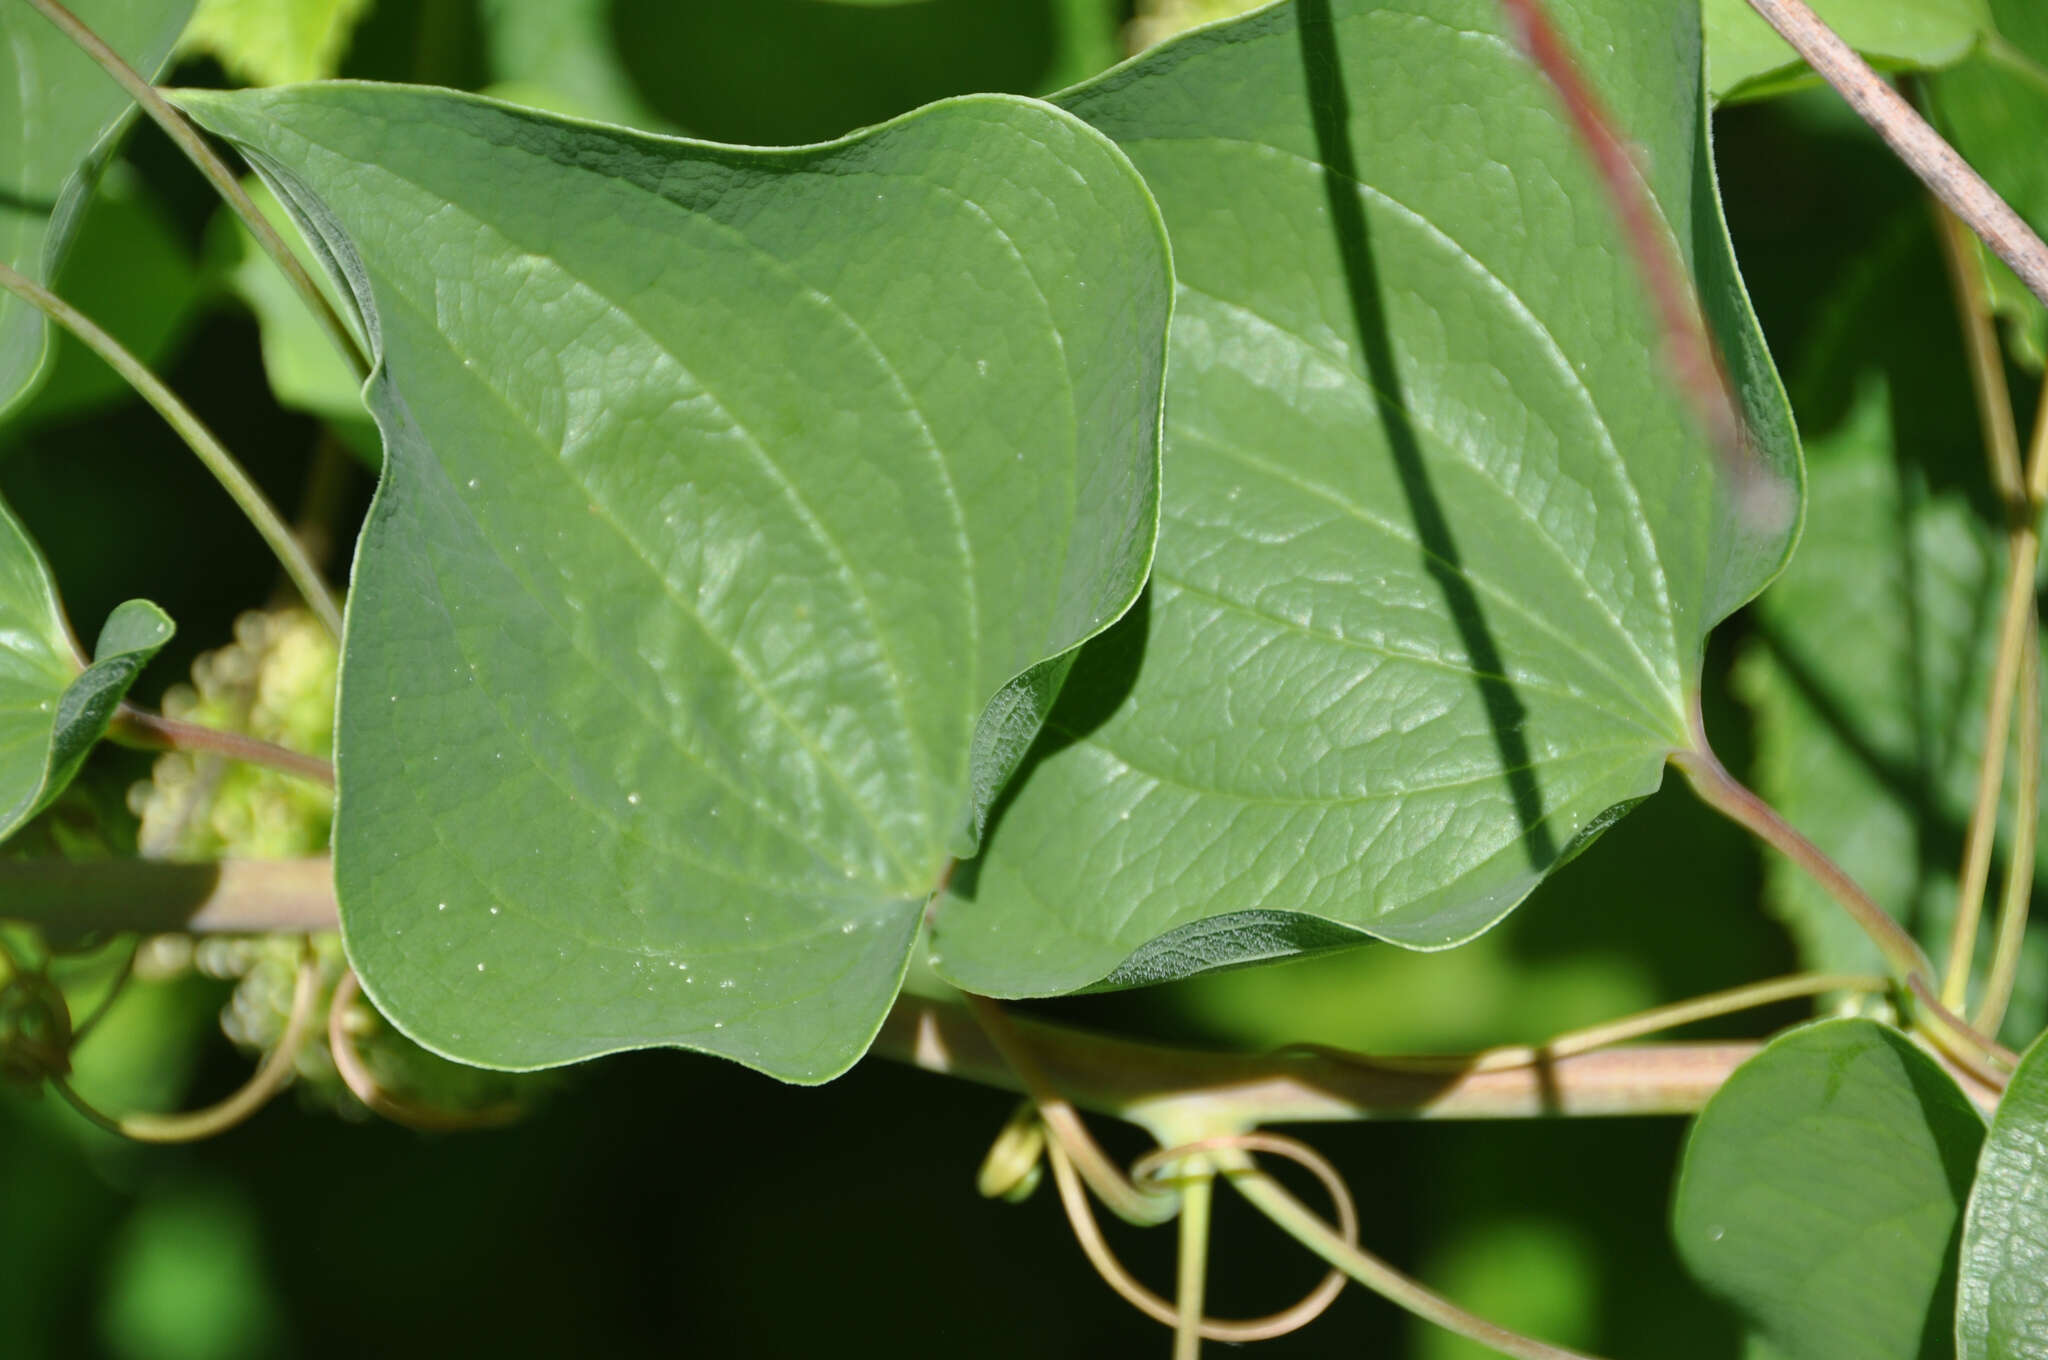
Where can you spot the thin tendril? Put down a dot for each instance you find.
(1074, 1199)
(1508, 1057)
(106, 1003)
(1129, 1202)
(269, 1078)
(356, 1075)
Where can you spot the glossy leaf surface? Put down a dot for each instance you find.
(2002, 1296)
(58, 114)
(727, 494)
(1439, 543)
(53, 707)
(1822, 1191)
(1746, 58)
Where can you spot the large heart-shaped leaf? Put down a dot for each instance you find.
(2002, 1296)
(53, 706)
(728, 494)
(1747, 58)
(58, 114)
(1822, 1192)
(1439, 542)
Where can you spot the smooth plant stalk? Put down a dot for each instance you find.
(188, 140)
(193, 431)
(2019, 620)
(270, 1078)
(156, 732)
(1299, 1222)
(1726, 795)
(1638, 1026)
(1983, 1058)
(2019, 869)
(2008, 477)
(1129, 1202)
(1986, 359)
(1934, 161)
(362, 1083)
(1191, 1282)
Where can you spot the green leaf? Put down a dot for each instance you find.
(1870, 660)
(1994, 108)
(1747, 59)
(2002, 1299)
(59, 115)
(1439, 542)
(53, 706)
(1822, 1193)
(274, 42)
(734, 502)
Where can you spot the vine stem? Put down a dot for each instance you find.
(2016, 619)
(1913, 140)
(1980, 1056)
(363, 1084)
(188, 140)
(2019, 869)
(217, 460)
(1160, 1087)
(156, 732)
(1129, 1202)
(1611, 1032)
(1197, 1190)
(2008, 478)
(269, 1078)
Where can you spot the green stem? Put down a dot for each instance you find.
(2019, 868)
(1298, 1221)
(2016, 620)
(1980, 1056)
(269, 1078)
(1197, 1192)
(2008, 478)
(1638, 1026)
(153, 731)
(179, 417)
(1726, 795)
(180, 130)
(1129, 1202)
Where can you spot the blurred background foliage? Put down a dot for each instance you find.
(663, 1202)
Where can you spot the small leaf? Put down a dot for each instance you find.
(739, 509)
(52, 707)
(2002, 1300)
(1439, 542)
(1822, 1194)
(1747, 59)
(59, 114)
